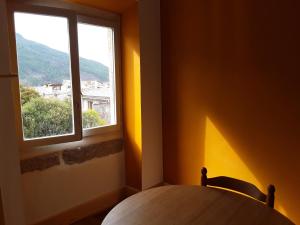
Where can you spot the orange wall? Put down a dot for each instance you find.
(231, 90)
(112, 5)
(132, 96)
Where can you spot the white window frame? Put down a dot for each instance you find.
(116, 32)
(74, 14)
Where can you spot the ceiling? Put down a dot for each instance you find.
(111, 5)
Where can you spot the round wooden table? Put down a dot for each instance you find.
(192, 205)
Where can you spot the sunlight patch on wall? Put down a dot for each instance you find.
(221, 159)
(137, 100)
(132, 102)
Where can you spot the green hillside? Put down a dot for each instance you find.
(39, 64)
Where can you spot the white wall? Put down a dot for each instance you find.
(60, 188)
(10, 179)
(150, 56)
(52, 191)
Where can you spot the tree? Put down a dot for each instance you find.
(44, 117)
(28, 94)
(47, 117)
(91, 118)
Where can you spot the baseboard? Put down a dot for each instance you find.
(131, 190)
(157, 185)
(98, 205)
(95, 206)
(128, 191)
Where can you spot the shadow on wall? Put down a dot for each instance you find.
(238, 63)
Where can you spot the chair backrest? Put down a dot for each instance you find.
(240, 186)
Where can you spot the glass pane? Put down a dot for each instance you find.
(97, 75)
(44, 75)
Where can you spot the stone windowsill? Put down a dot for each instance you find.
(71, 156)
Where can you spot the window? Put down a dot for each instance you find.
(44, 68)
(67, 69)
(96, 52)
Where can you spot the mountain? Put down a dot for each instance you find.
(38, 64)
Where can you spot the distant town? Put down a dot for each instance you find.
(94, 95)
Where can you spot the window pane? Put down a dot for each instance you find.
(44, 75)
(97, 75)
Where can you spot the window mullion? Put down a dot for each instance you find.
(75, 76)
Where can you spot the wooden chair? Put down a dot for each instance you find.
(240, 186)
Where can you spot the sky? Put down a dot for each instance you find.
(53, 32)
